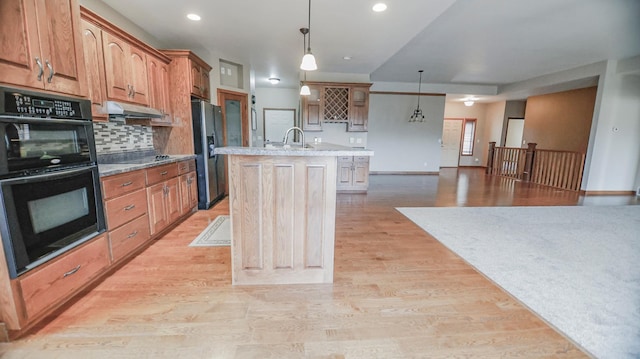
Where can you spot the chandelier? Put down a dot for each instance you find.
(417, 113)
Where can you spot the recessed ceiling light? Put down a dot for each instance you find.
(274, 80)
(346, 57)
(379, 7)
(194, 17)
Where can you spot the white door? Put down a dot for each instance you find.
(515, 129)
(451, 137)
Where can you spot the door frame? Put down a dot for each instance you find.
(224, 95)
(460, 134)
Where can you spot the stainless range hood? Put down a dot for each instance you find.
(118, 111)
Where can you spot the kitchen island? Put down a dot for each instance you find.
(283, 206)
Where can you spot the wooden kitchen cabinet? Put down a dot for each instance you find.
(353, 174)
(188, 192)
(126, 212)
(358, 109)
(159, 96)
(332, 102)
(125, 69)
(312, 109)
(200, 80)
(41, 45)
(94, 68)
(183, 76)
(188, 186)
(50, 283)
(164, 205)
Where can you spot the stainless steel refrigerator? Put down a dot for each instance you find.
(207, 134)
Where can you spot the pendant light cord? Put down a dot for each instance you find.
(309, 27)
(419, 88)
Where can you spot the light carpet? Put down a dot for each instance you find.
(217, 233)
(576, 267)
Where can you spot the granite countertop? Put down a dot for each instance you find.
(316, 149)
(108, 169)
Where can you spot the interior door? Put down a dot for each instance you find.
(515, 129)
(451, 137)
(235, 122)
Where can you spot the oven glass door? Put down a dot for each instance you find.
(44, 143)
(49, 214)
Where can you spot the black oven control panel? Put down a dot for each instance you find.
(27, 103)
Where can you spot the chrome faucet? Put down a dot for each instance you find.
(286, 135)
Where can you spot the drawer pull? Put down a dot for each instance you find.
(127, 184)
(71, 272)
(164, 173)
(133, 234)
(129, 207)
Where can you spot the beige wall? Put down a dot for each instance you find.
(560, 121)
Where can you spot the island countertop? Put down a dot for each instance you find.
(311, 150)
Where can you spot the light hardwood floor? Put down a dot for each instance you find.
(397, 292)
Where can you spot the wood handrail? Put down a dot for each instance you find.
(556, 168)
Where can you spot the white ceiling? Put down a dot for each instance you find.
(488, 42)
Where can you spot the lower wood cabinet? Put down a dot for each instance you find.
(125, 239)
(139, 205)
(353, 174)
(49, 284)
(188, 192)
(164, 204)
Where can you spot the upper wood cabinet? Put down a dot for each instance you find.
(336, 103)
(159, 97)
(94, 67)
(122, 68)
(200, 80)
(41, 45)
(312, 109)
(125, 69)
(358, 108)
(185, 70)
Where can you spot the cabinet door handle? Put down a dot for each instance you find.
(71, 272)
(127, 184)
(132, 234)
(133, 91)
(164, 173)
(129, 207)
(41, 69)
(51, 72)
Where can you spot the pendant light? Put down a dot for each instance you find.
(304, 90)
(308, 60)
(417, 113)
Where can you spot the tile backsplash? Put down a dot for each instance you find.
(114, 137)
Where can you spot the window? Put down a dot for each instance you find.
(468, 136)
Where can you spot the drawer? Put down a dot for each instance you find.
(361, 158)
(161, 173)
(114, 186)
(186, 166)
(123, 209)
(129, 237)
(58, 279)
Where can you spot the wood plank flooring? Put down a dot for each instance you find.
(397, 292)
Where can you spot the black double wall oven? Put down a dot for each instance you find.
(50, 197)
